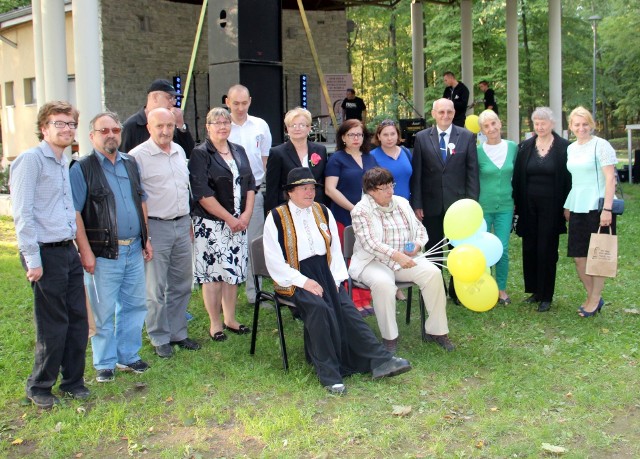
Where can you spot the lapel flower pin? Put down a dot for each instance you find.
(452, 148)
(314, 159)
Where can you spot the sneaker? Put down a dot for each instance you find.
(336, 389)
(187, 344)
(139, 366)
(106, 375)
(443, 341)
(164, 350)
(79, 393)
(44, 401)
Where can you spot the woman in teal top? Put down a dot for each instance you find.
(591, 161)
(495, 160)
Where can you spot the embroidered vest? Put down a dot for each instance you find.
(289, 242)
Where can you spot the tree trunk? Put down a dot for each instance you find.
(527, 61)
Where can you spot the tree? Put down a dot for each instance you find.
(8, 5)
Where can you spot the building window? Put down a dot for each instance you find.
(29, 91)
(8, 93)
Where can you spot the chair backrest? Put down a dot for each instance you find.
(349, 238)
(257, 258)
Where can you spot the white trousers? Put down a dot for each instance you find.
(382, 281)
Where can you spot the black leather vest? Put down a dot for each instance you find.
(99, 212)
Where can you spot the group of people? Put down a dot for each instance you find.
(144, 226)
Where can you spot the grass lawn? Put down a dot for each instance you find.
(518, 379)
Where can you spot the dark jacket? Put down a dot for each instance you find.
(435, 185)
(134, 132)
(99, 212)
(561, 184)
(281, 160)
(210, 176)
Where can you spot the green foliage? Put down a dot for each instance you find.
(8, 5)
(380, 71)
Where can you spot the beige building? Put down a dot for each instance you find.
(139, 41)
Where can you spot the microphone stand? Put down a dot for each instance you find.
(421, 116)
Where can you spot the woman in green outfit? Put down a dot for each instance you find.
(495, 160)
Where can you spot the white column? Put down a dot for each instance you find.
(513, 97)
(555, 61)
(87, 52)
(54, 50)
(466, 39)
(37, 52)
(417, 54)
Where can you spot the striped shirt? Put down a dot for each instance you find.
(42, 201)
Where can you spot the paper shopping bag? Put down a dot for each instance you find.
(602, 259)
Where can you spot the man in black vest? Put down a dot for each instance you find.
(111, 216)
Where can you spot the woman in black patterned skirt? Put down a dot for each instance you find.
(223, 190)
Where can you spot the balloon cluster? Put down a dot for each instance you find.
(476, 250)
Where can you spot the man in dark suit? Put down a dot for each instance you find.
(445, 169)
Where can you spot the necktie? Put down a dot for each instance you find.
(443, 147)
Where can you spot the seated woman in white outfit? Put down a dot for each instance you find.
(304, 259)
(383, 224)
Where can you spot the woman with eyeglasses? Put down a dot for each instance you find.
(343, 185)
(223, 190)
(393, 156)
(298, 151)
(388, 238)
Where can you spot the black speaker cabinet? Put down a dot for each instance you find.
(245, 30)
(409, 128)
(264, 82)
(245, 47)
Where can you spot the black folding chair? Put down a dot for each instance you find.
(347, 252)
(260, 270)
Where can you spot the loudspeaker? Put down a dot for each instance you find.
(247, 30)
(409, 128)
(264, 82)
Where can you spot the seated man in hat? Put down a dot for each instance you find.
(161, 94)
(305, 262)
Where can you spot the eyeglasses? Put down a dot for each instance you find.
(105, 131)
(62, 124)
(171, 97)
(220, 124)
(298, 126)
(389, 187)
(385, 123)
(355, 135)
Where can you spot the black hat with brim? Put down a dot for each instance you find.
(300, 176)
(164, 86)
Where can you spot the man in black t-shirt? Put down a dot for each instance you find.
(489, 97)
(353, 107)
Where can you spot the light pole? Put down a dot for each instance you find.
(594, 26)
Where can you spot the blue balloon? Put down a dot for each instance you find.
(470, 239)
(490, 246)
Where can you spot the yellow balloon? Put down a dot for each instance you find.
(479, 296)
(466, 263)
(462, 219)
(472, 123)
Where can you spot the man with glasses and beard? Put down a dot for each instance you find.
(46, 227)
(111, 215)
(161, 94)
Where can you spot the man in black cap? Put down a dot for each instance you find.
(306, 264)
(161, 94)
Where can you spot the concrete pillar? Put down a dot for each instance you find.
(555, 62)
(87, 52)
(513, 88)
(54, 50)
(417, 54)
(466, 40)
(37, 52)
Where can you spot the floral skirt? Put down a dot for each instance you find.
(220, 255)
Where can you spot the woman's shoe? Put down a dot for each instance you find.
(504, 301)
(218, 336)
(241, 330)
(600, 304)
(544, 306)
(584, 313)
(531, 299)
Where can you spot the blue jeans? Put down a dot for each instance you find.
(121, 309)
(501, 222)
